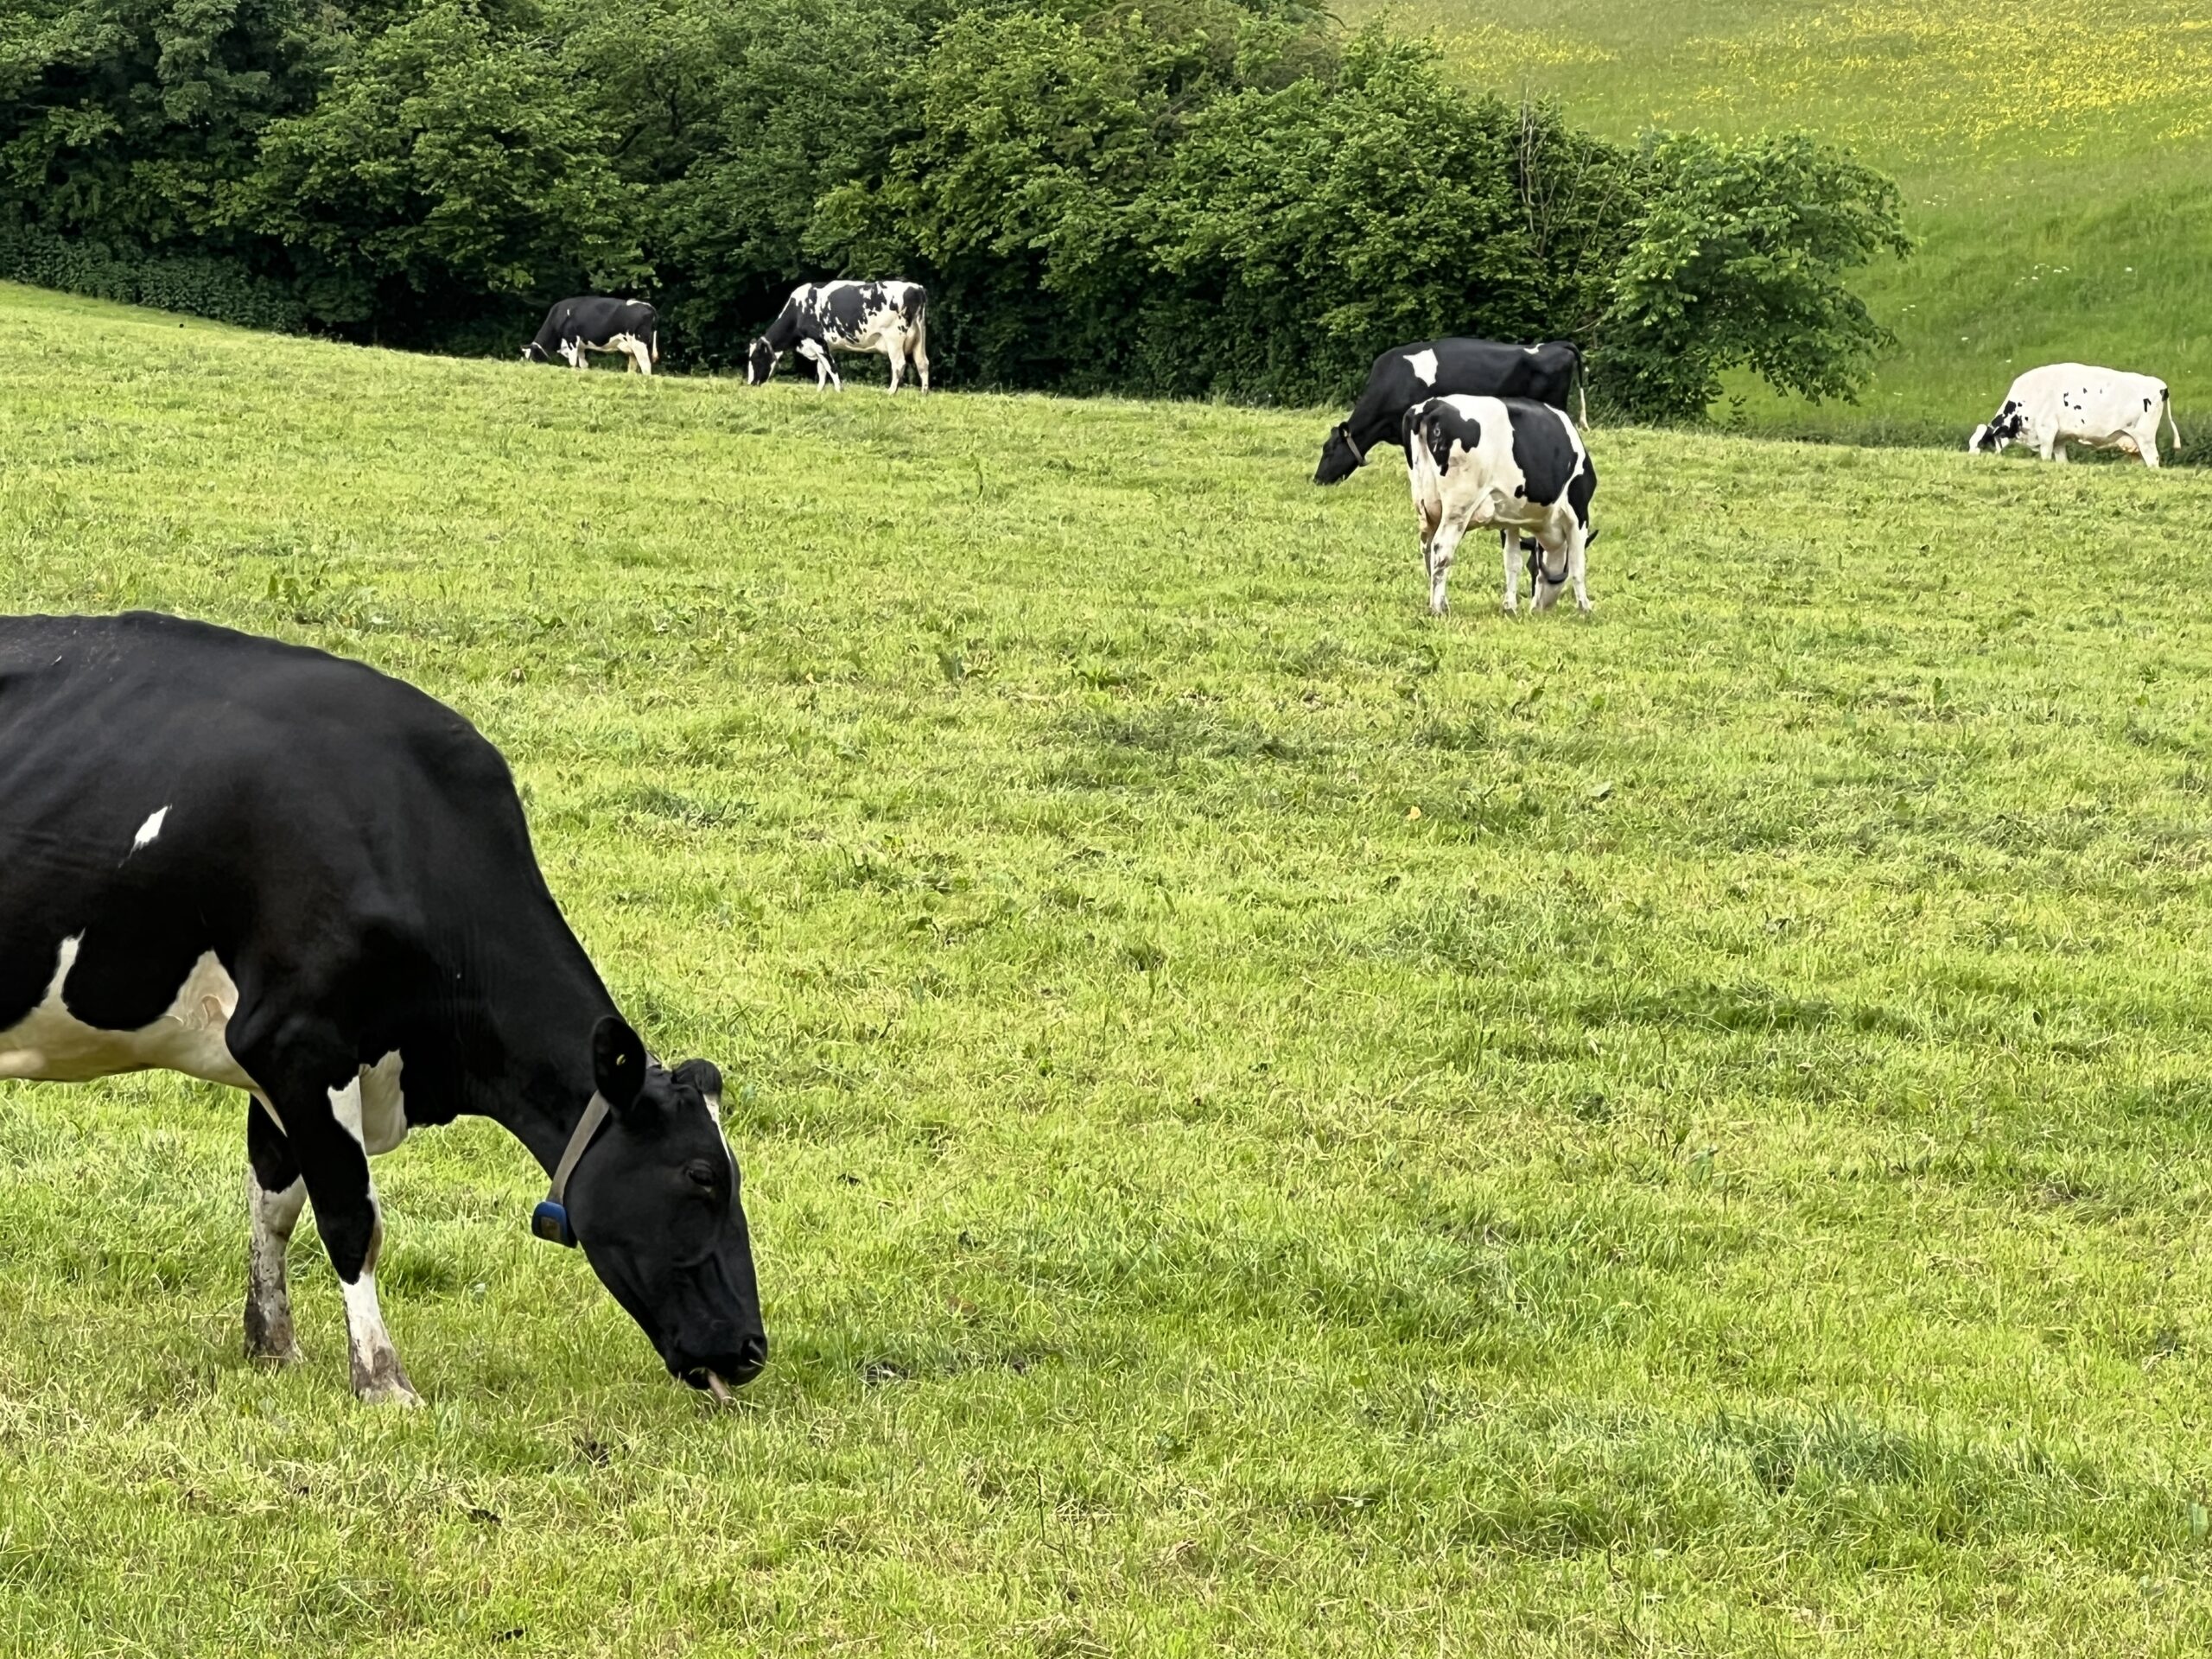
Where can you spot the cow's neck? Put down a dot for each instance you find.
(543, 1022)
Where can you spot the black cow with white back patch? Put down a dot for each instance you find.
(1510, 462)
(823, 318)
(260, 866)
(1406, 375)
(593, 322)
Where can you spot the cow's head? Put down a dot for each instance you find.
(1340, 456)
(2002, 428)
(654, 1201)
(534, 353)
(759, 362)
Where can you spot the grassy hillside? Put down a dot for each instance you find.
(1271, 1123)
(2053, 161)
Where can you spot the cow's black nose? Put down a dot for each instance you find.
(751, 1359)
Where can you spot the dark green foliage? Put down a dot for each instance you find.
(1195, 197)
(1739, 257)
(452, 159)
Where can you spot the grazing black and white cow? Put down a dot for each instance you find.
(821, 318)
(1508, 462)
(2072, 403)
(264, 867)
(592, 322)
(1406, 375)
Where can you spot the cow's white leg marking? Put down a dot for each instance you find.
(918, 348)
(1512, 605)
(1577, 549)
(268, 1293)
(2146, 444)
(895, 354)
(149, 830)
(377, 1375)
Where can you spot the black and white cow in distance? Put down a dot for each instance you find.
(592, 322)
(822, 318)
(264, 867)
(1406, 375)
(2073, 403)
(1510, 462)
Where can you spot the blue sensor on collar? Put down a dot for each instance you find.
(549, 1221)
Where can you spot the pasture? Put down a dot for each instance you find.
(2052, 162)
(1271, 1122)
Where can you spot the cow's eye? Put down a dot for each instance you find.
(700, 1173)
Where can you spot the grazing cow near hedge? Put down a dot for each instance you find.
(1406, 375)
(1511, 463)
(592, 322)
(2072, 403)
(822, 318)
(263, 867)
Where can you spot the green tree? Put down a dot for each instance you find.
(127, 120)
(446, 159)
(1739, 257)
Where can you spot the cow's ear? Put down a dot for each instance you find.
(618, 1063)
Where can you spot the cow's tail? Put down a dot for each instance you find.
(2167, 398)
(652, 344)
(1581, 379)
(1421, 463)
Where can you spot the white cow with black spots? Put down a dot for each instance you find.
(1507, 462)
(2073, 403)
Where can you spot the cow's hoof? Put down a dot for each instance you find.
(270, 1341)
(389, 1393)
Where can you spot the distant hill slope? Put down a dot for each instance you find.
(2056, 165)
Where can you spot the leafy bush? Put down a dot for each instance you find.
(198, 286)
(1739, 257)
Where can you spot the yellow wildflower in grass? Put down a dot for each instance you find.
(1983, 79)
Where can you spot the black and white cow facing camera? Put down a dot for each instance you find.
(821, 318)
(266, 867)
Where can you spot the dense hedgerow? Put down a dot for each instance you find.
(1190, 198)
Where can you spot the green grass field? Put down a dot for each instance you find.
(2054, 161)
(1273, 1124)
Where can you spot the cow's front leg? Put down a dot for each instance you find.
(1577, 563)
(275, 1196)
(897, 355)
(1512, 606)
(824, 374)
(311, 1077)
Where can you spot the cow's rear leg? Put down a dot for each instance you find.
(275, 1196)
(917, 347)
(897, 357)
(311, 1077)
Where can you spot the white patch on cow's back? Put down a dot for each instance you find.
(149, 830)
(51, 1044)
(1424, 366)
